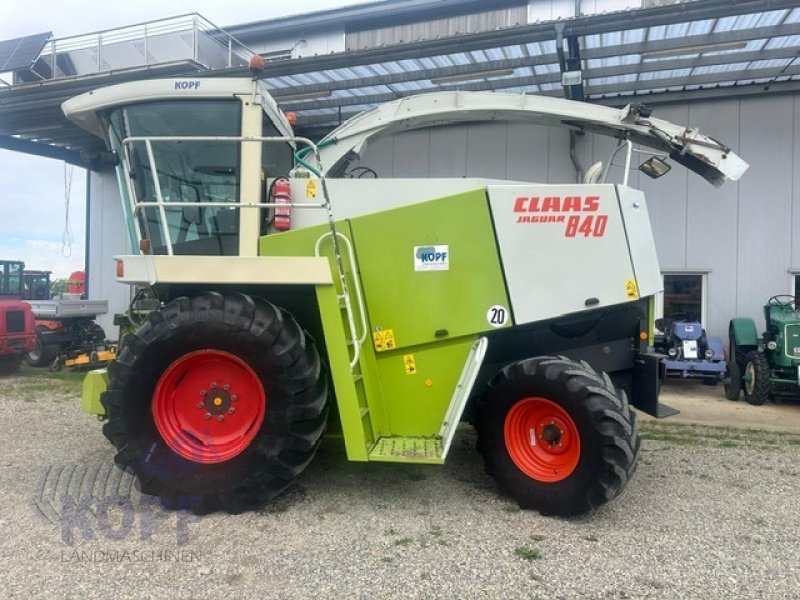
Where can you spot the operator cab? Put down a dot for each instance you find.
(184, 173)
(11, 279)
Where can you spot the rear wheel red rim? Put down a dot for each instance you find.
(542, 439)
(208, 406)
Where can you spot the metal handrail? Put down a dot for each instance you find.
(145, 31)
(162, 205)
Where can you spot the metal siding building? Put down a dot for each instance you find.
(728, 69)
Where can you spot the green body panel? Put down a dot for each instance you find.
(744, 332)
(783, 325)
(415, 305)
(356, 427)
(393, 405)
(94, 384)
(416, 402)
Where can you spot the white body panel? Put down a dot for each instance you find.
(564, 249)
(149, 270)
(355, 197)
(710, 159)
(60, 309)
(641, 242)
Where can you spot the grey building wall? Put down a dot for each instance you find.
(745, 236)
(107, 238)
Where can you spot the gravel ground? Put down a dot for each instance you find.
(711, 513)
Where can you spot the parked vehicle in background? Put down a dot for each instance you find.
(768, 365)
(690, 352)
(65, 325)
(17, 333)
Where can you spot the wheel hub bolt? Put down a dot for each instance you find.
(221, 418)
(203, 392)
(551, 434)
(226, 387)
(200, 405)
(234, 398)
(231, 410)
(213, 385)
(208, 415)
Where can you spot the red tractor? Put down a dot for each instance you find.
(17, 329)
(65, 327)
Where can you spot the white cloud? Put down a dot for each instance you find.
(43, 255)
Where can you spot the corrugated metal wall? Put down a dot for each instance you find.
(429, 30)
(107, 238)
(745, 236)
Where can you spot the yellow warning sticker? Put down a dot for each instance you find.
(410, 364)
(384, 340)
(631, 290)
(311, 188)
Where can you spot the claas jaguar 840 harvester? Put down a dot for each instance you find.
(295, 299)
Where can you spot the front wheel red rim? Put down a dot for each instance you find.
(208, 406)
(542, 439)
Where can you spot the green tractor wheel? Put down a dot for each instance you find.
(733, 381)
(756, 378)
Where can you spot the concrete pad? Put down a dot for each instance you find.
(706, 405)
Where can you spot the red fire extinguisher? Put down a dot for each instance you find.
(281, 196)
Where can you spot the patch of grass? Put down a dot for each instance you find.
(538, 537)
(759, 521)
(390, 531)
(405, 541)
(534, 577)
(512, 508)
(436, 530)
(386, 559)
(528, 553)
(683, 434)
(592, 538)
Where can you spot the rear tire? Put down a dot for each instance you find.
(43, 355)
(733, 381)
(578, 470)
(756, 389)
(195, 343)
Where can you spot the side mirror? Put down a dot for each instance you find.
(655, 167)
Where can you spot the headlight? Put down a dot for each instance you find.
(672, 352)
(772, 345)
(709, 354)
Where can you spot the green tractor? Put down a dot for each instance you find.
(768, 364)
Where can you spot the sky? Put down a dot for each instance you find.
(32, 189)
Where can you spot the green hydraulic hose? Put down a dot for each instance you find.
(300, 154)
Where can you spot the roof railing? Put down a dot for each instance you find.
(183, 38)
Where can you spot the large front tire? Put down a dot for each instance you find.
(557, 436)
(756, 378)
(216, 402)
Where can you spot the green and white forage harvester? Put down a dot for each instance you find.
(296, 296)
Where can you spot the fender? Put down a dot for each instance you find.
(743, 332)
